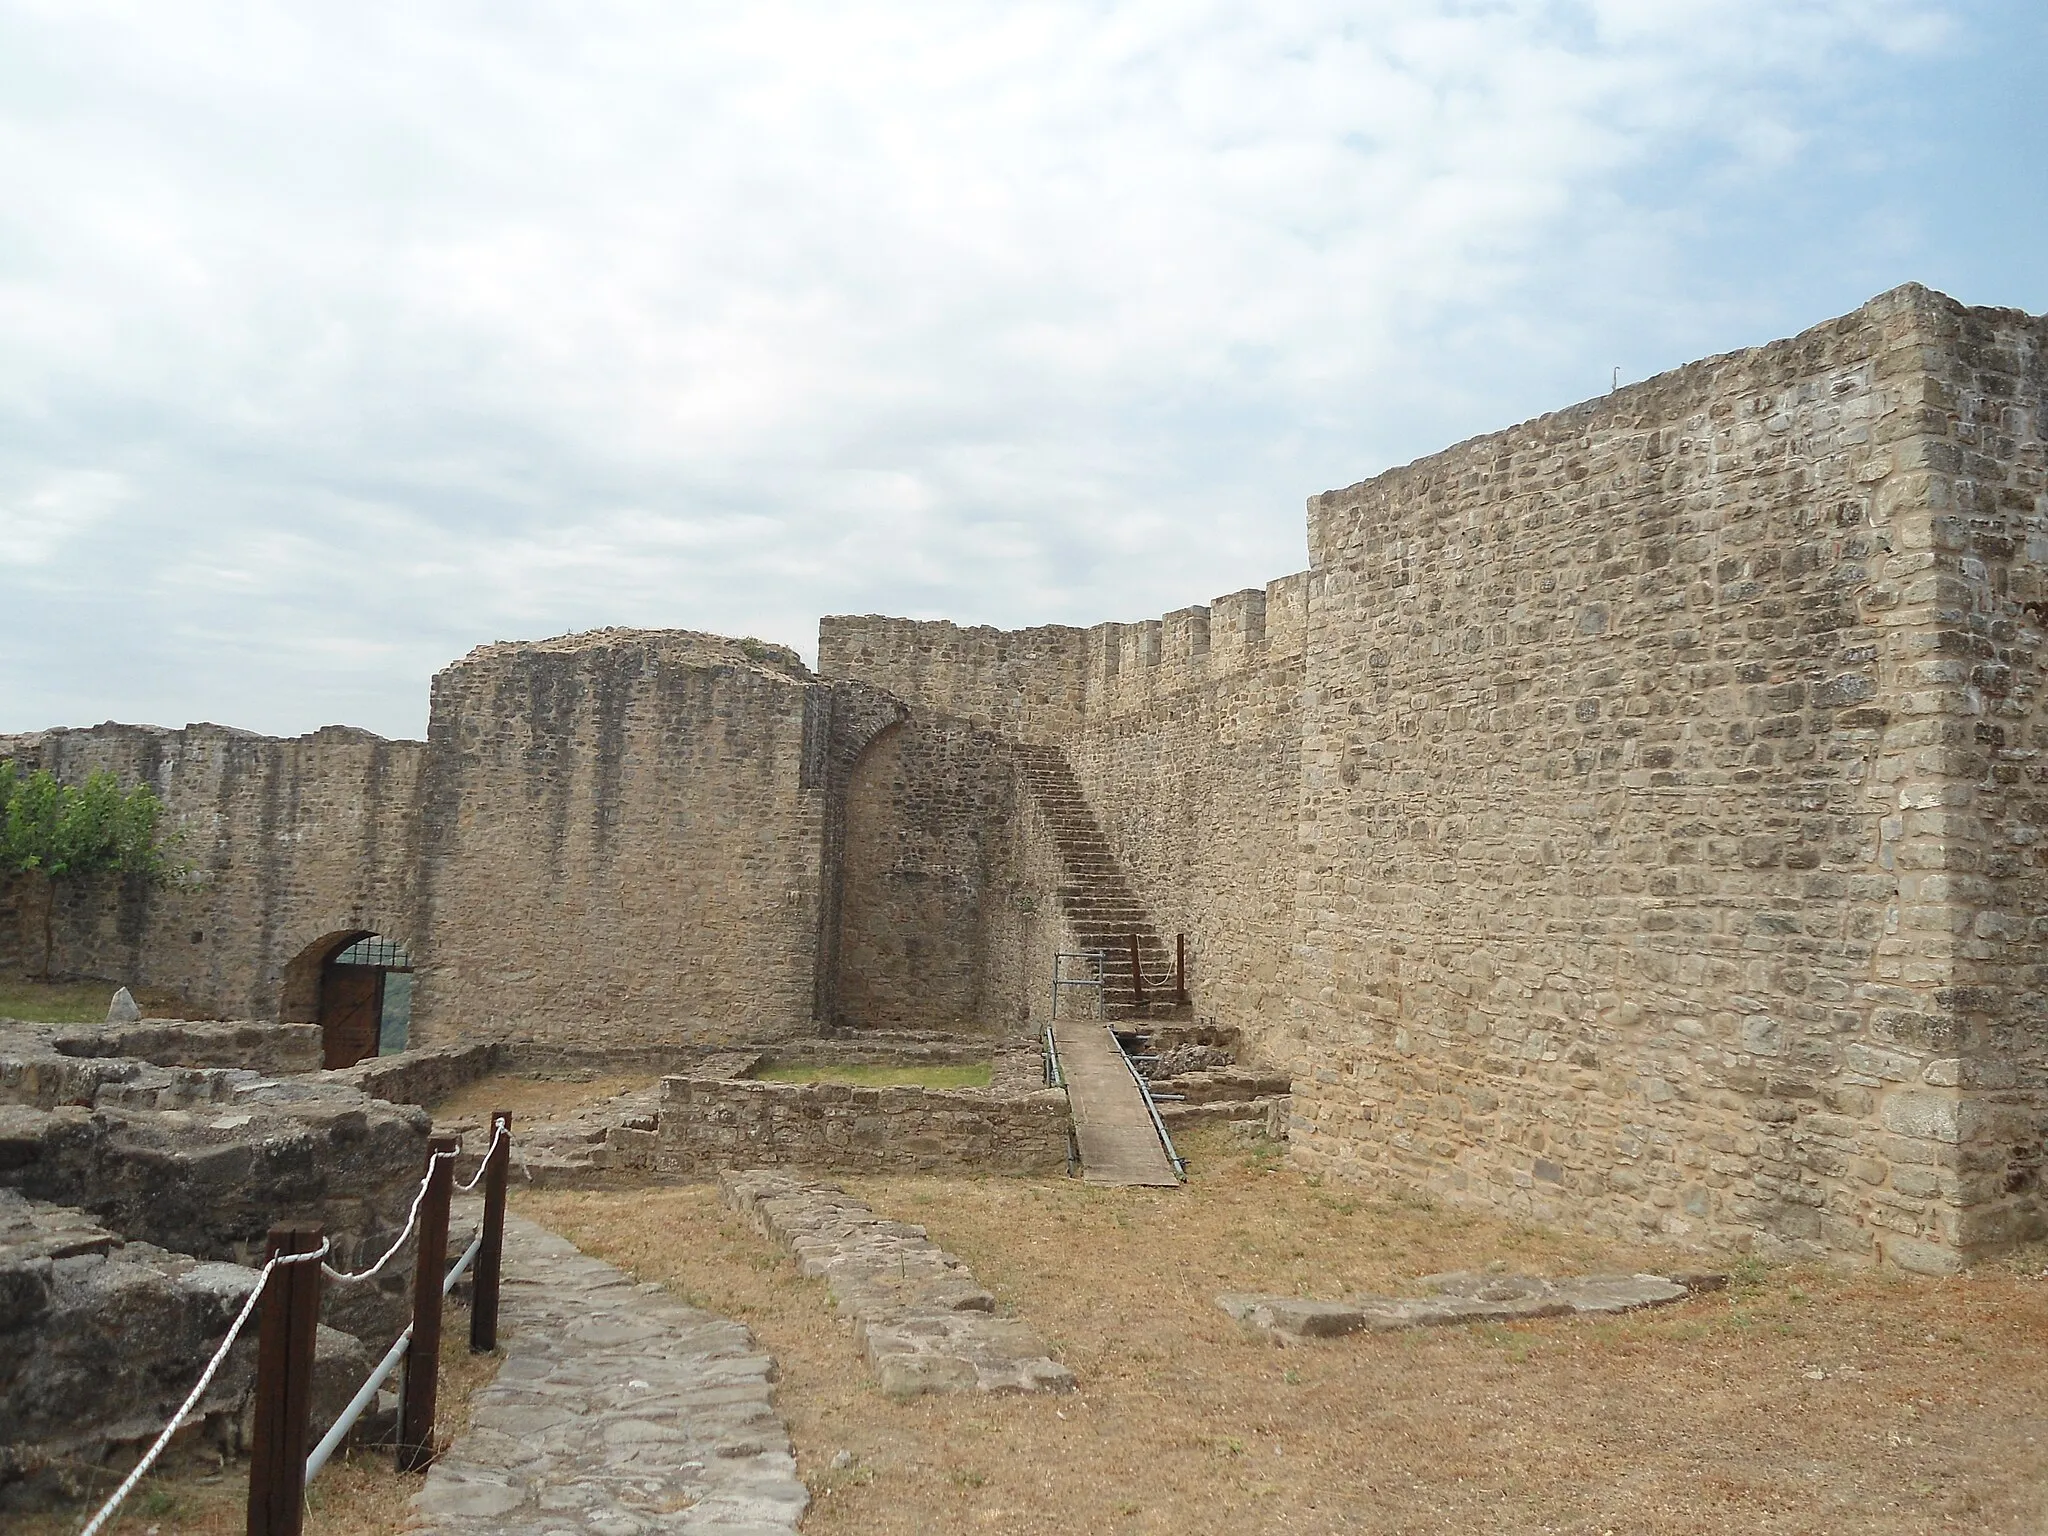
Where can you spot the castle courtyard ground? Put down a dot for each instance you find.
(1798, 1400)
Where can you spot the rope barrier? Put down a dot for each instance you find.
(367, 1392)
(206, 1376)
(412, 1220)
(499, 1132)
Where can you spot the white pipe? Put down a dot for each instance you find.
(367, 1392)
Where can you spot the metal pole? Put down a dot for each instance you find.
(1137, 974)
(483, 1312)
(284, 1386)
(1180, 970)
(423, 1357)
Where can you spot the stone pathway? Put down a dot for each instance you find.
(1119, 1144)
(1463, 1297)
(619, 1411)
(923, 1321)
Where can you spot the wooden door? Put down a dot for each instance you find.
(351, 1009)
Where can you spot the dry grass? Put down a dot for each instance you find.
(531, 1098)
(1797, 1402)
(965, 1075)
(80, 1002)
(358, 1494)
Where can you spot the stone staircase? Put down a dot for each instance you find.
(1101, 909)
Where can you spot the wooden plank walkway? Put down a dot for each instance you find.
(1119, 1144)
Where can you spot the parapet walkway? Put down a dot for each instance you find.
(1119, 1143)
(619, 1411)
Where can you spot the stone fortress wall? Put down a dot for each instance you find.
(1630, 819)
(1183, 733)
(288, 845)
(622, 838)
(1637, 741)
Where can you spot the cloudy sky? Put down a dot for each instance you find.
(335, 340)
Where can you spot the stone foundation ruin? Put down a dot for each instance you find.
(1629, 819)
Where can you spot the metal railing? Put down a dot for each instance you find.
(1180, 1167)
(287, 1297)
(1098, 958)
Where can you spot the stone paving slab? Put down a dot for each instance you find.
(619, 1411)
(1463, 1297)
(923, 1322)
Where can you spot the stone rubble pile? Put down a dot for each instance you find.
(1463, 1297)
(588, 1148)
(923, 1322)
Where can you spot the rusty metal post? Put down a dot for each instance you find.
(1180, 970)
(1137, 974)
(423, 1355)
(288, 1315)
(483, 1309)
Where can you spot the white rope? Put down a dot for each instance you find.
(205, 1380)
(412, 1220)
(498, 1134)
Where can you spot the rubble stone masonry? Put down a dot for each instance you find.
(622, 842)
(1635, 819)
(1669, 783)
(286, 845)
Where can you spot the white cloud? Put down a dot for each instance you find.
(39, 518)
(412, 326)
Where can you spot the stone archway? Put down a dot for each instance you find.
(357, 986)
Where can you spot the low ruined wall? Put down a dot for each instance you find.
(256, 1045)
(707, 1125)
(420, 1077)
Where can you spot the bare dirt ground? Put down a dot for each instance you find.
(536, 1098)
(1798, 1401)
(360, 1493)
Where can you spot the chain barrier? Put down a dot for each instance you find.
(206, 1376)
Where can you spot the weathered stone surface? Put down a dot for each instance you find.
(256, 1045)
(708, 1125)
(422, 1077)
(1629, 818)
(603, 1145)
(618, 1411)
(101, 1339)
(122, 1009)
(205, 1160)
(923, 1322)
(1461, 1298)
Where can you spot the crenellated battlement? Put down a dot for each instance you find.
(1045, 683)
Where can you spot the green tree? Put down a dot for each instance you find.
(54, 834)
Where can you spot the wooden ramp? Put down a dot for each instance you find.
(1119, 1144)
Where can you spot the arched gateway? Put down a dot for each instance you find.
(357, 986)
